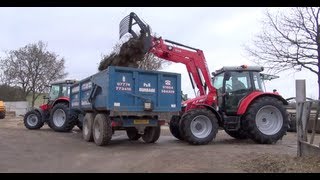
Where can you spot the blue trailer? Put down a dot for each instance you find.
(121, 98)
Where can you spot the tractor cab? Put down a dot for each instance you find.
(233, 83)
(59, 89)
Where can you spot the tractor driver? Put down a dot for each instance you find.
(236, 84)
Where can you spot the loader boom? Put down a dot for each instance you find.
(192, 58)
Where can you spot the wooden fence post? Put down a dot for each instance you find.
(300, 97)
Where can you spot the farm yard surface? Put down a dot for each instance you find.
(44, 150)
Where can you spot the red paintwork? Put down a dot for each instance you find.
(247, 100)
(47, 107)
(194, 61)
(62, 98)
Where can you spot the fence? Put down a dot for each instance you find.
(306, 147)
(19, 107)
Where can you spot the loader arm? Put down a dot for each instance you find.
(192, 58)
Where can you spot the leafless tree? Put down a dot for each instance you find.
(290, 40)
(32, 68)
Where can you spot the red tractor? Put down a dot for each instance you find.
(55, 112)
(233, 99)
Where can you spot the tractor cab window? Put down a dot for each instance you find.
(218, 81)
(65, 91)
(258, 84)
(54, 92)
(237, 86)
(238, 81)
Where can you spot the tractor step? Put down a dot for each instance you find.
(231, 123)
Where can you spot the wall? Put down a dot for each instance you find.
(19, 107)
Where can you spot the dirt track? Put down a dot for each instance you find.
(44, 150)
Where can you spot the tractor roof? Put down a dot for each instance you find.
(238, 68)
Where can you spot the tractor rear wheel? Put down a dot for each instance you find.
(174, 127)
(32, 120)
(199, 126)
(60, 120)
(266, 120)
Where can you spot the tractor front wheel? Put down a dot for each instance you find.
(133, 134)
(174, 127)
(32, 120)
(199, 126)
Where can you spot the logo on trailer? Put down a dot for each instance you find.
(146, 84)
(167, 87)
(167, 82)
(147, 88)
(123, 79)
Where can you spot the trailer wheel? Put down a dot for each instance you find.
(199, 126)
(133, 134)
(60, 120)
(80, 125)
(174, 127)
(151, 134)
(102, 129)
(32, 120)
(87, 127)
(266, 120)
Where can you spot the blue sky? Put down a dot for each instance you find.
(82, 35)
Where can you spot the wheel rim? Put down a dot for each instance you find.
(269, 120)
(85, 127)
(59, 117)
(96, 130)
(201, 126)
(32, 120)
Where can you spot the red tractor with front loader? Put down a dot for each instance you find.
(234, 98)
(55, 112)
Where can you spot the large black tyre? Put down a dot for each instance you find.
(2, 115)
(151, 134)
(133, 134)
(102, 129)
(87, 127)
(266, 120)
(79, 116)
(174, 127)
(199, 126)
(80, 125)
(60, 119)
(33, 120)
